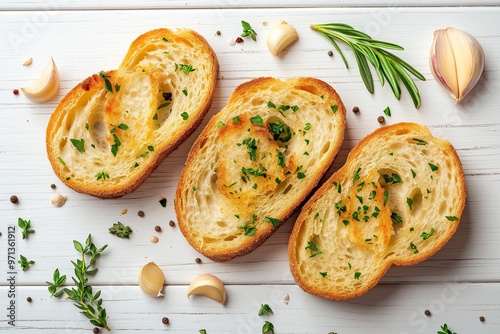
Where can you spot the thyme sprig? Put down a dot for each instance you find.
(388, 66)
(82, 294)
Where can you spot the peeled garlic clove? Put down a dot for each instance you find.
(209, 286)
(280, 37)
(456, 61)
(151, 279)
(58, 200)
(45, 87)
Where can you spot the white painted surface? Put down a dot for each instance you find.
(85, 42)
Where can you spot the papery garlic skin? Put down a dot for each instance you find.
(46, 86)
(280, 37)
(209, 286)
(457, 61)
(151, 279)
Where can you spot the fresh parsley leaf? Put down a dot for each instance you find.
(420, 142)
(163, 105)
(386, 197)
(334, 108)
(433, 167)
(79, 144)
(274, 221)
(395, 178)
(87, 126)
(24, 262)
(255, 172)
(268, 328)
(117, 88)
(414, 248)
(184, 68)
(313, 247)
(256, 120)
(151, 148)
(114, 147)
(25, 225)
(248, 31)
(308, 126)
(295, 108)
(155, 117)
(120, 230)
(163, 202)
(278, 129)
(425, 235)
(102, 175)
(281, 158)
(387, 111)
(144, 154)
(265, 310)
(451, 218)
(271, 105)
(62, 161)
(220, 124)
(357, 275)
(301, 175)
(397, 218)
(185, 92)
(356, 175)
(236, 120)
(409, 201)
(251, 147)
(185, 115)
(413, 173)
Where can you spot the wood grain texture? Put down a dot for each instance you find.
(71, 37)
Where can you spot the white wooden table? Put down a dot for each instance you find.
(459, 284)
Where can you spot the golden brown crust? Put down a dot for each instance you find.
(95, 81)
(325, 188)
(260, 236)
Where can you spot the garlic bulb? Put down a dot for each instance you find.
(209, 286)
(46, 86)
(151, 279)
(280, 37)
(456, 61)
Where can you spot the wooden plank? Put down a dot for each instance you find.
(223, 4)
(81, 45)
(387, 309)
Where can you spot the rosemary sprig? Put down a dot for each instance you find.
(82, 295)
(388, 66)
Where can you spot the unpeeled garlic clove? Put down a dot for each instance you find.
(209, 286)
(151, 279)
(280, 37)
(456, 61)
(46, 86)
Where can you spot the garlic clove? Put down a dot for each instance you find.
(280, 37)
(58, 200)
(456, 61)
(209, 286)
(27, 61)
(46, 86)
(151, 279)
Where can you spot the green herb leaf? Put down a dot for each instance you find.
(185, 92)
(425, 235)
(420, 142)
(163, 105)
(155, 117)
(248, 31)
(274, 221)
(79, 144)
(323, 274)
(387, 111)
(87, 126)
(451, 218)
(117, 88)
(163, 202)
(220, 124)
(313, 247)
(102, 175)
(357, 275)
(413, 173)
(236, 120)
(251, 145)
(185, 115)
(308, 126)
(268, 328)
(25, 225)
(256, 120)
(433, 167)
(334, 108)
(445, 330)
(409, 201)
(62, 161)
(397, 218)
(120, 230)
(107, 83)
(145, 154)
(301, 175)
(265, 310)
(414, 248)
(184, 68)
(24, 262)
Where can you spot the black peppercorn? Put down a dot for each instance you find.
(427, 313)
(171, 223)
(197, 260)
(330, 53)
(218, 32)
(381, 119)
(481, 318)
(157, 228)
(29, 299)
(140, 213)
(355, 110)
(165, 320)
(53, 186)
(14, 199)
(95, 330)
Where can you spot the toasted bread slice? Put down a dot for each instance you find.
(110, 132)
(255, 162)
(397, 200)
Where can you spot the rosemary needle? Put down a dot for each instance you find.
(387, 65)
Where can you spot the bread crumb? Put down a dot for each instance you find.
(286, 299)
(124, 211)
(264, 23)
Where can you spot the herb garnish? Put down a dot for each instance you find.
(397, 218)
(386, 197)
(334, 108)
(281, 159)
(25, 225)
(117, 88)
(185, 92)
(107, 83)
(145, 154)
(387, 111)
(356, 175)
(413, 173)
(425, 235)
(301, 175)
(387, 66)
(255, 172)
(265, 310)
(256, 120)
(249, 231)
(185, 115)
(357, 275)
(323, 273)
(414, 248)
(185, 68)
(163, 202)
(24, 262)
(433, 167)
(155, 117)
(308, 126)
(114, 147)
(313, 247)
(395, 178)
(62, 161)
(236, 120)
(79, 144)
(87, 126)
(82, 295)
(221, 124)
(274, 221)
(251, 146)
(102, 175)
(163, 105)
(445, 330)
(277, 128)
(268, 328)
(248, 31)
(420, 142)
(409, 201)
(451, 218)
(120, 230)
